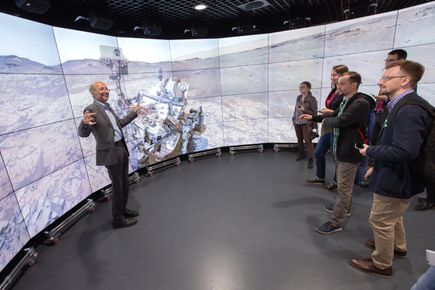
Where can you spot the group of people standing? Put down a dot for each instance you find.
(403, 123)
(400, 130)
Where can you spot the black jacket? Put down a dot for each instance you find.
(354, 117)
(398, 172)
(335, 102)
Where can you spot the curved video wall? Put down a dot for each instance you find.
(199, 94)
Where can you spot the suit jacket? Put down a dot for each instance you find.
(103, 133)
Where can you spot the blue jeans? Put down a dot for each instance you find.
(362, 169)
(426, 281)
(323, 145)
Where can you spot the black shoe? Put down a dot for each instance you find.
(310, 163)
(331, 187)
(300, 158)
(123, 222)
(130, 213)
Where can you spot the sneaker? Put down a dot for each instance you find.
(316, 180)
(328, 228)
(330, 208)
(332, 186)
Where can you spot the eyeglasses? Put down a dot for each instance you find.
(387, 78)
(390, 60)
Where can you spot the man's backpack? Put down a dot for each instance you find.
(428, 148)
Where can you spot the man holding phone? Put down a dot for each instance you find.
(349, 122)
(100, 120)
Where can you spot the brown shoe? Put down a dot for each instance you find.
(366, 265)
(397, 253)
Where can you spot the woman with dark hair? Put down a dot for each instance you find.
(305, 104)
(324, 143)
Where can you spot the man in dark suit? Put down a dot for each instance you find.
(100, 120)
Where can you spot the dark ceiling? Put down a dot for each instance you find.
(221, 18)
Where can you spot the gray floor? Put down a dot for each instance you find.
(240, 222)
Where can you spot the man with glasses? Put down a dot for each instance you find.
(398, 172)
(100, 120)
(381, 105)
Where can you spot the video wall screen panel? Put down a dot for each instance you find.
(5, 183)
(86, 53)
(48, 198)
(243, 50)
(244, 79)
(13, 230)
(281, 130)
(35, 153)
(415, 25)
(428, 92)
(201, 83)
(423, 54)
(245, 107)
(369, 65)
(98, 176)
(194, 54)
(145, 55)
(87, 145)
(212, 108)
(289, 75)
(28, 48)
(250, 131)
(297, 44)
(370, 33)
(197, 94)
(148, 88)
(43, 102)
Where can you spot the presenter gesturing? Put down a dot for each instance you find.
(100, 120)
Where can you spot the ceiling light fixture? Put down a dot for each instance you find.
(200, 7)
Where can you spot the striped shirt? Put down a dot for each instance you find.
(394, 101)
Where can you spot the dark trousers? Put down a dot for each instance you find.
(303, 133)
(118, 174)
(323, 145)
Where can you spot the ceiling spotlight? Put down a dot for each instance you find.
(200, 7)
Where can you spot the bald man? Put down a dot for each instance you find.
(100, 120)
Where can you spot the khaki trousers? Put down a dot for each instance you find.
(386, 219)
(343, 201)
